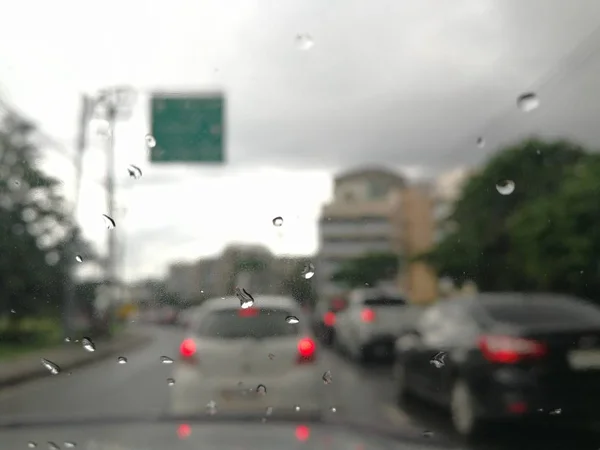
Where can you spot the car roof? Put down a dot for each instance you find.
(260, 301)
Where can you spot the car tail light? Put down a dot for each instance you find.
(248, 312)
(509, 349)
(367, 315)
(306, 350)
(187, 349)
(329, 318)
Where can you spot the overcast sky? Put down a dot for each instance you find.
(406, 84)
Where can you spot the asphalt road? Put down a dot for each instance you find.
(360, 394)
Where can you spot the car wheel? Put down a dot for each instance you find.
(462, 409)
(399, 374)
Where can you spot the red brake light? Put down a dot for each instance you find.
(329, 318)
(367, 315)
(306, 350)
(509, 349)
(187, 349)
(248, 312)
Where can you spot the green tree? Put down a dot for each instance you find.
(38, 240)
(479, 246)
(556, 238)
(367, 270)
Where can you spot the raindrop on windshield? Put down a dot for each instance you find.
(88, 344)
(528, 102)
(292, 320)
(122, 360)
(505, 187)
(555, 412)
(171, 381)
(333, 409)
(53, 446)
(438, 360)
(271, 356)
(297, 408)
(53, 368)
(109, 222)
(269, 410)
(308, 271)
(246, 300)
(480, 142)
(70, 444)
(211, 408)
(134, 171)
(78, 258)
(166, 360)
(261, 389)
(67, 339)
(304, 41)
(150, 141)
(31, 444)
(327, 378)
(278, 221)
(427, 433)
(13, 311)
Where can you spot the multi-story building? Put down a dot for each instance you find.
(363, 217)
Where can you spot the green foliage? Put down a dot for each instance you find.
(491, 234)
(38, 241)
(367, 270)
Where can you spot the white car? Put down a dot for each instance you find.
(248, 359)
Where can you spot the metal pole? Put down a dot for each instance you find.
(111, 260)
(69, 299)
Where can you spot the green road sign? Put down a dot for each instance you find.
(188, 127)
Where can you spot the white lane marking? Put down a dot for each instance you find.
(395, 415)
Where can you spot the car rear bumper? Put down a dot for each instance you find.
(381, 346)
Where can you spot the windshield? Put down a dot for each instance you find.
(260, 211)
(259, 324)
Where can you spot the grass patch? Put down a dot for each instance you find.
(27, 335)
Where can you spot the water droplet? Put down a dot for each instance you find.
(297, 408)
(13, 311)
(171, 381)
(333, 409)
(480, 142)
(166, 360)
(427, 433)
(271, 356)
(246, 300)
(53, 368)
(327, 378)
(555, 412)
(108, 222)
(211, 408)
(67, 339)
(292, 320)
(438, 360)
(304, 41)
(269, 411)
(31, 444)
(122, 360)
(70, 444)
(505, 187)
(528, 102)
(88, 344)
(134, 171)
(278, 221)
(308, 271)
(53, 446)
(261, 389)
(150, 141)
(78, 258)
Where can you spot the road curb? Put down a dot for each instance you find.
(33, 368)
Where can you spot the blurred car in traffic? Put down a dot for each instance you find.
(251, 358)
(504, 356)
(324, 316)
(369, 325)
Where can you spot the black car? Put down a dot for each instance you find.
(504, 356)
(324, 318)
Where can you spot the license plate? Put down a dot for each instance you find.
(584, 359)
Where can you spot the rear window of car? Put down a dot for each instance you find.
(541, 313)
(244, 323)
(385, 301)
